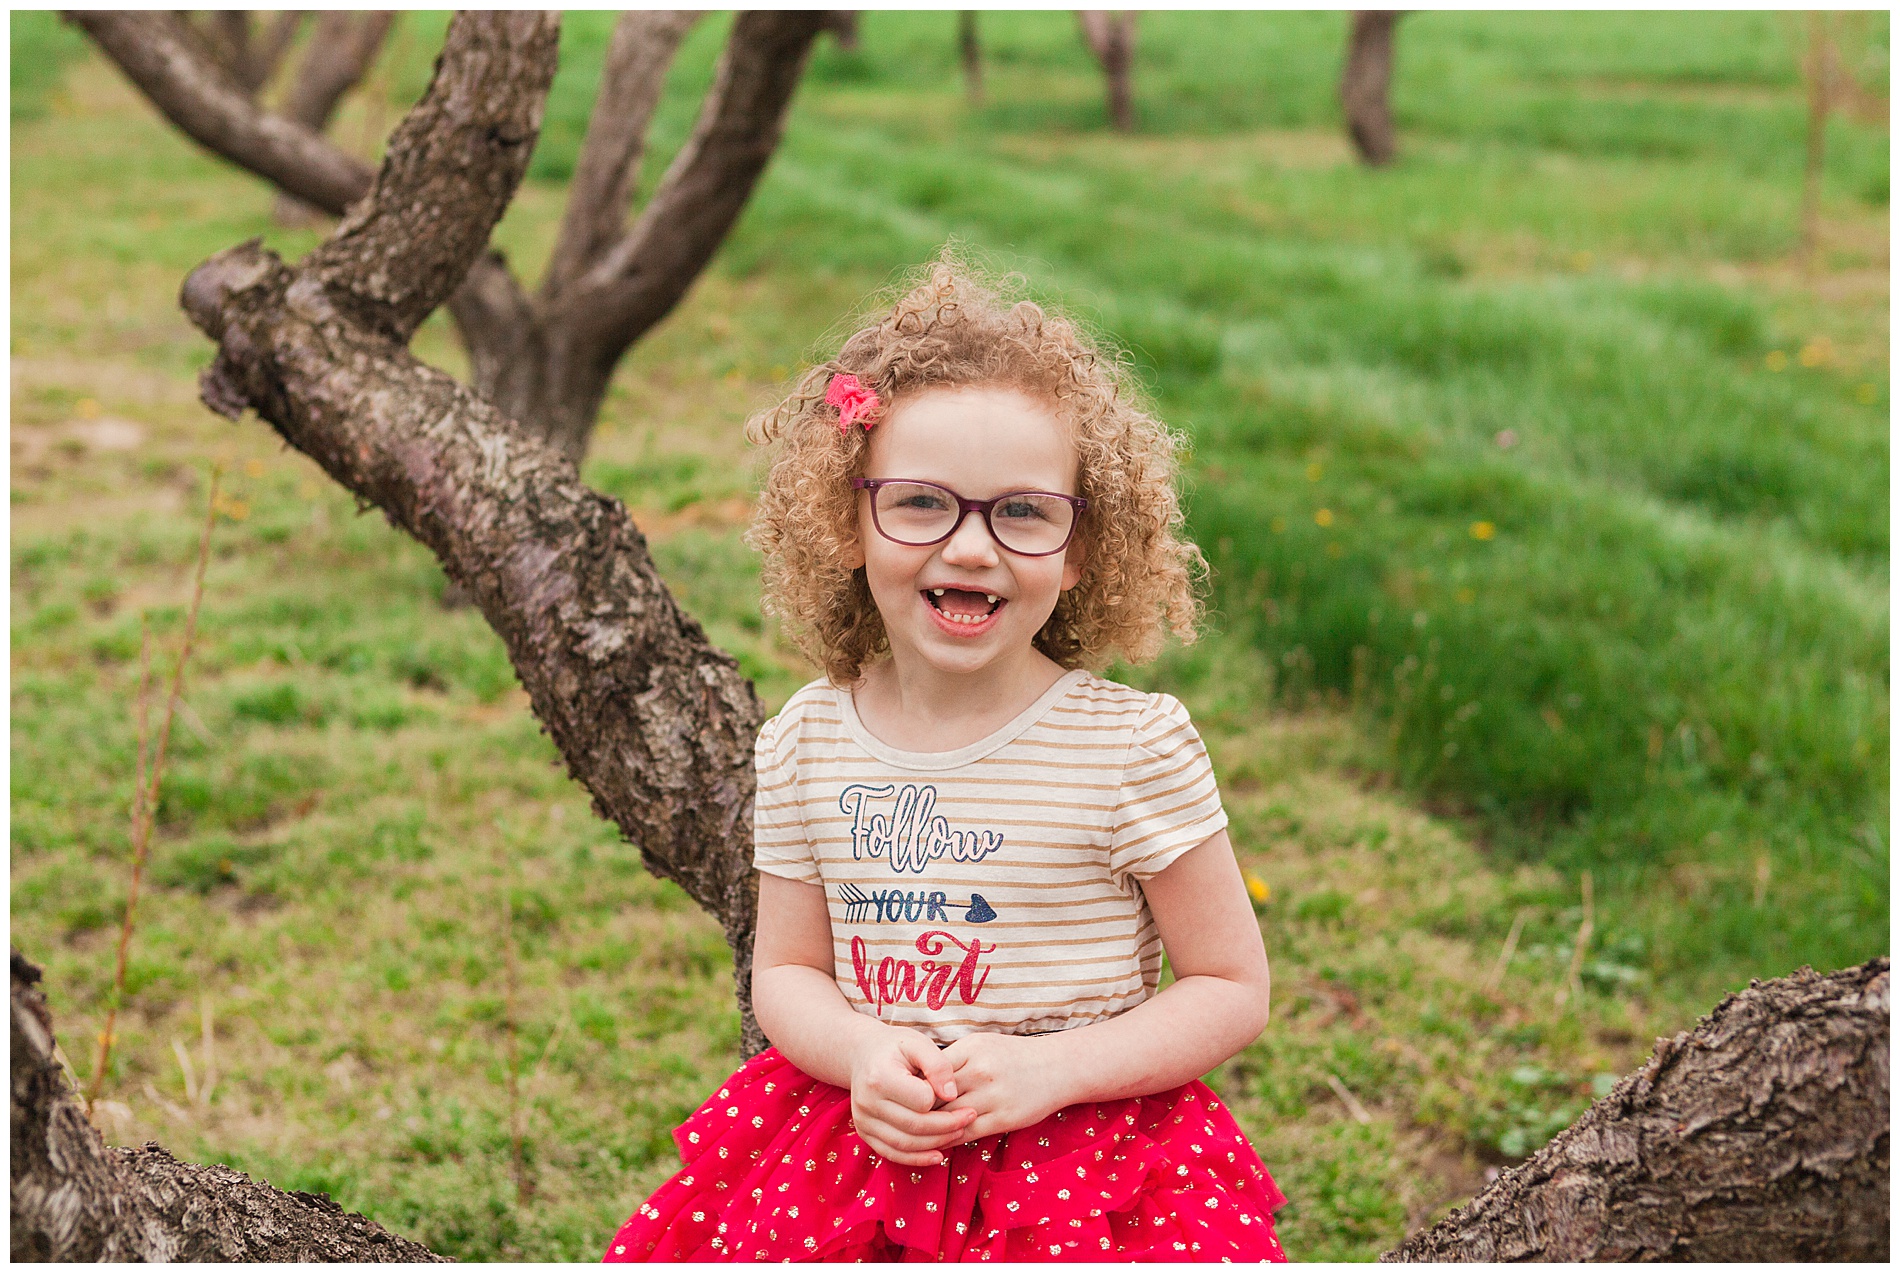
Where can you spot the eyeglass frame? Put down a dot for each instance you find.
(964, 508)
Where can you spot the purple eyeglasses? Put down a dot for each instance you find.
(919, 514)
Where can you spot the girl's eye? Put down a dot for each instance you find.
(1022, 510)
(925, 501)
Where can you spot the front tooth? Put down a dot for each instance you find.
(991, 596)
(936, 592)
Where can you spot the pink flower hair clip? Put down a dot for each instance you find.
(854, 402)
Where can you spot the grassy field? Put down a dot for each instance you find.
(1546, 494)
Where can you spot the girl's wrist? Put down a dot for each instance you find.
(1067, 1068)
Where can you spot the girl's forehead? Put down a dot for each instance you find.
(975, 430)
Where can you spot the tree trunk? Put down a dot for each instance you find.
(76, 1198)
(1759, 1135)
(1111, 38)
(1365, 85)
(970, 52)
(843, 25)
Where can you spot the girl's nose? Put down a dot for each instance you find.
(971, 544)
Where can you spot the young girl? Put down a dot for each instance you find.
(972, 851)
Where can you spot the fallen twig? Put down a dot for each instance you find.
(1347, 1099)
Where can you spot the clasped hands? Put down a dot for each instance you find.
(910, 1099)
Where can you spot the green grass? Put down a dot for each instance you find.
(1663, 662)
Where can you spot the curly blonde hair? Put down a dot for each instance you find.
(1139, 571)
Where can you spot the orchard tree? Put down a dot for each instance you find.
(1365, 85)
(545, 358)
(1110, 36)
(1761, 1135)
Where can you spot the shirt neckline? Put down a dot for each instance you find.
(969, 754)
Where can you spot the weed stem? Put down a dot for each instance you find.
(145, 798)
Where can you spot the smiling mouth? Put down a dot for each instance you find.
(960, 605)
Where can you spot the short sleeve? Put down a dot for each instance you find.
(1168, 802)
(779, 844)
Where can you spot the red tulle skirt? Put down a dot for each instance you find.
(774, 1171)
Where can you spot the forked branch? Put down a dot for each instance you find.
(643, 45)
(342, 48)
(170, 65)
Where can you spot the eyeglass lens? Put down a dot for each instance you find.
(917, 513)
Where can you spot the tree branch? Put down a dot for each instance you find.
(250, 63)
(169, 66)
(641, 277)
(453, 166)
(643, 46)
(342, 48)
(1760, 1135)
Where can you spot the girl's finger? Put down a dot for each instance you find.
(894, 1142)
(929, 1061)
(911, 1122)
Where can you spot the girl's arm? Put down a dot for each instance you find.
(895, 1075)
(1216, 1006)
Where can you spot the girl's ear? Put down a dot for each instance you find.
(854, 551)
(1072, 562)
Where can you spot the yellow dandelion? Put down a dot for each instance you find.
(1815, 352)
(254, 468)
(1775, 360)
(1258, 889)
(1323, 517)
(1279, 525)
(88, 408)
(1334, 550)
(1483, 530)
(1313, 471)
(234, 509)
(1581, 261)
(1867, 394)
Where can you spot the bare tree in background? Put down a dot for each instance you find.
(1365, 85)
(970, 53)
(1110, 36)
(843, 26)
(658, 725)
(543, 359)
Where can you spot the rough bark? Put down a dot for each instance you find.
(76, 1198)
(1111, 38)
(1762, 1134)
(1366, 82)
(653, 720)
(544, 359)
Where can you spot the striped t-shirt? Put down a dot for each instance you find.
(995, 887)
